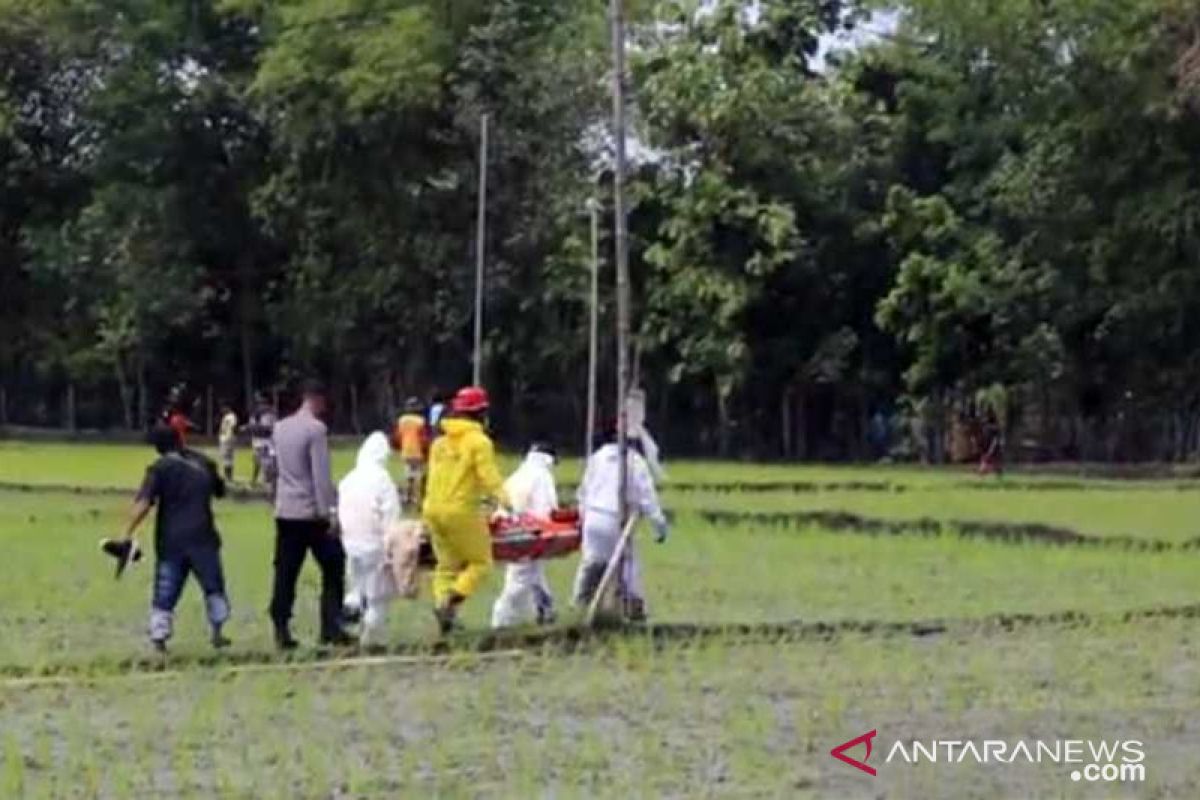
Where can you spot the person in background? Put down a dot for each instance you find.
(599, 506)
(181, 484)
(991, 459)
(261, 428)
(413, 436)
(437, 408)
(175, 415)
(462, 474)
(305, 520)
(368, 508)
(227, 439)
(526, 595)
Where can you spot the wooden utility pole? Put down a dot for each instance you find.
(480, 232)
(593, 327)
(621, 226)
(614, 569)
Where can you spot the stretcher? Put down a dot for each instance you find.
(526, 537)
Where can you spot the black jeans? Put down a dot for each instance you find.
(170, 574)
(293, 539)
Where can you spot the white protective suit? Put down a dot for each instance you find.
(598, 503)
(368, 507)
(526, 595)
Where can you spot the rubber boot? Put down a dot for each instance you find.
(447, 614)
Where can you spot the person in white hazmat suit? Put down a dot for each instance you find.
(368, 507)
(598, 503)
(526, 595)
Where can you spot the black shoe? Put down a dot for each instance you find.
(351, 615)
(284, 640)
(635, 611)
(160, 646)
(219, 641)
(125, 551)
(447, 617)
(339, 639)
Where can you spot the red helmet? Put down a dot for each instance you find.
(470, 399)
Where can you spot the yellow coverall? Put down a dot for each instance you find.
(462, 474)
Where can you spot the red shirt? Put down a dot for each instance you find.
(179, 423)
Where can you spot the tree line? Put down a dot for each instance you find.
(837, 252)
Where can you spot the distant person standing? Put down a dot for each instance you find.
(261, 429)
(413, 435)
(991, 459)
(181, 484)
(227, 439)
(437, 410)
(175, 415)
(305, 509)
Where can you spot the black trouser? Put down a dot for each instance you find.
(293, 539)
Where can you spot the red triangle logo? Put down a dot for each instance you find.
(839, 752)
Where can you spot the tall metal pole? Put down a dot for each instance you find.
(593, 326)
(617, 13)
(480, 231)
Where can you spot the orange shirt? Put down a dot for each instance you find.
(411, 431)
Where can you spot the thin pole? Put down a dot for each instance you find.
(622, 252)
(593, 327)
(480, 231)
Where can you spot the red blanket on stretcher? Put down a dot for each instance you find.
(525, 537)
(529, 537)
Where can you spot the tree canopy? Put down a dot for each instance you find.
(976, 207)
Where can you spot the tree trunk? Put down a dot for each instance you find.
(723, 431)
(785, 421)
(3, 407)
(355, 422)
(246, 333)
(126, 392)
(143, 391)
(71, 422)
(801, 424)
(208, 411)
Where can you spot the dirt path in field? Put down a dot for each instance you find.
(564, 640)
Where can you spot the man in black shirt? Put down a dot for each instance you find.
(181, 483)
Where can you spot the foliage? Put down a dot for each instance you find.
(992, 197)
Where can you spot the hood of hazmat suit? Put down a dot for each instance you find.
(368, 503)
(531, 487)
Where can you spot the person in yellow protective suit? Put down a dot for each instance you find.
(462, 474)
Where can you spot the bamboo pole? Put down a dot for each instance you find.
(622, 247)
(480, 233)
(593, 327)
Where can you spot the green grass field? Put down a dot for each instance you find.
(1018, 640)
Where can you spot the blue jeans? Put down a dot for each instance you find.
(170, 574)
